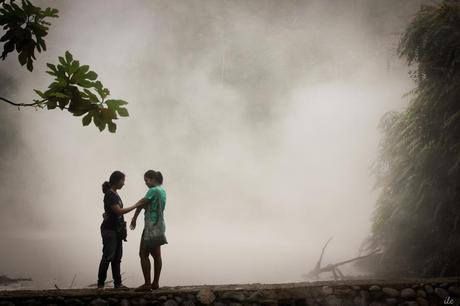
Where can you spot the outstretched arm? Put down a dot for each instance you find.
(121, 211)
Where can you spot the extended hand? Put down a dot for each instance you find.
(132, 226)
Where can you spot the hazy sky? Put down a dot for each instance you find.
(261, 115)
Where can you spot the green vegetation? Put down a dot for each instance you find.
(416, 221)
(75, 87)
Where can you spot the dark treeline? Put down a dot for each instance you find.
(416, 221)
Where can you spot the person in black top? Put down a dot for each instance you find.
(113, 229)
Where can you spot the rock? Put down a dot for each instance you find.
(356, 287)
(269, 303)
(332, 300)
(411, 303)
(205, 296)
(374, 288)
(422, 302)
(190, 297)
(178, 299)
(377, 304)
(163, 298)
(124, 302)
(455, 291)
(364, 297)
(391, 292)
(99, 302)
(140, 302)
(441, 292)
(421, 293)
(408, 294)
(233, 296)
(391, 301)
(188, 303)
(429, 289)
(235, 304)
(341, 292)
(218, 304)
(73, 302)
(377, 295)
(256, 296)
(357, 300)
(326, 290)
(345, 302)
(444, 285)
(31, 302)
(112, 301)
(286, 302)
(6, 303)
(170, 303)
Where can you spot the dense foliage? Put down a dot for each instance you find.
(75, 87)
(416, 220)
(22, 23)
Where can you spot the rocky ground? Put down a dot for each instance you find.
(373, 292)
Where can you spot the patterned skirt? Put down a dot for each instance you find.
(153, 235)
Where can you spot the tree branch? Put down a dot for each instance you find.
(21, 104)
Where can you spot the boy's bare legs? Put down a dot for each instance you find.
(157, 263)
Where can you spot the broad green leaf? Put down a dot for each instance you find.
(123, 112)
(91, 75)
(87, 119)
(68, 57)
(62, 61)
(39, 93)
(112, 127)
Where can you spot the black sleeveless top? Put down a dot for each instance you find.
(110, 222)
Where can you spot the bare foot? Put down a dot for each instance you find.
(155, 286)
(144, 287)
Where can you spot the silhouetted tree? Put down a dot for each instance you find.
(416, 220)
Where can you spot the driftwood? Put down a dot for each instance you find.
(73, 281)
(5, 280)
(333, 268)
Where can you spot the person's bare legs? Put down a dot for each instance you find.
(157, 263)
(145, 264)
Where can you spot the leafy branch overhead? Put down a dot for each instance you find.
(76, 89)
(25, 28)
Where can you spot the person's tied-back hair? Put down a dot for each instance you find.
(115, 177)
(156, 175)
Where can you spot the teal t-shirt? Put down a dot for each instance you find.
(156, 196)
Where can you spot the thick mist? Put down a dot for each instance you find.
(261, 115)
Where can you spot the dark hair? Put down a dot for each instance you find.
(156, 175)
(115, 177)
